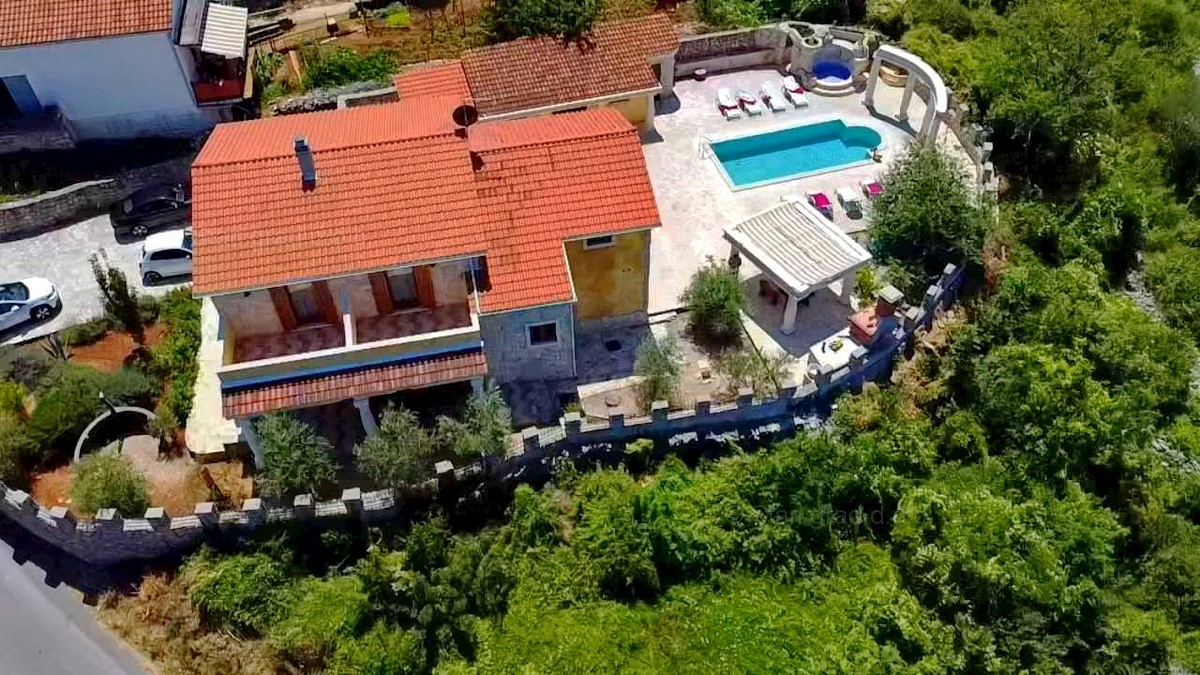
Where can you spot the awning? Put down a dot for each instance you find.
(360, 383)
(225, 31)
(797, 246)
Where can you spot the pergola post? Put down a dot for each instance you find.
(249, 436)
(363, 405)
(849, 283)
(872, 80)
(906, 99)
(928, 131)
(477, 385)
(789, 315)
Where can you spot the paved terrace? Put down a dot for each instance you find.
(696, 203)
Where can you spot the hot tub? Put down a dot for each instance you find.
(835, 71)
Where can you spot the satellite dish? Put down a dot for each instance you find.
(465, 115)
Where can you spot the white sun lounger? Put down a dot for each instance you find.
(850, 199)
(727, 104)
(795, 92)
(749, 102)
(772, 95)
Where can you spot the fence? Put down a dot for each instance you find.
(112, 538)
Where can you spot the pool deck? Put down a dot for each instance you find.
(694, 201)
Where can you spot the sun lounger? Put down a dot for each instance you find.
(772, 95)
(727, 104)
(749, 103)
(821, 203)
(871, 188)
(850, 201)
(794, 92)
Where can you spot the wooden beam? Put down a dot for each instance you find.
(382, 292)
(283, 308)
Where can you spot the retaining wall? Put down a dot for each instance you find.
(47, 211)
(112, 538)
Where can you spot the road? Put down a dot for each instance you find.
(62, 257)
(49, 630)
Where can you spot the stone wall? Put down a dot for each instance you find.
(45, 212)
(51, 131)
(730, 50)
(509, 355)
(112, 538)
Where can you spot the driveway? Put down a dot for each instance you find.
(62, 257)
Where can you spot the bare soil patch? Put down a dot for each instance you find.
(115, 349)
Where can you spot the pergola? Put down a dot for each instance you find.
(939, 97)
(800, 251)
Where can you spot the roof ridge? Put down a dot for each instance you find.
(316, 151)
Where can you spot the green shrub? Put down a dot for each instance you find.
(86, 333)
(342, 65)
(175, 357)
(12, 397)
(397, 16)
(316, 615)
(296, 458)
(724, 14)
(715, 301)
(16, 447)
(165, 423)
(240, 592)
(382, 651)
(109, 482)
(400, 454)
(70, 399)
(119, 298)
(1174, 278)
(511, 19)
(482, 430)
(637, 455)
(660, 365)
(746, 368)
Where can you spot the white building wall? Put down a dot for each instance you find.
(114, 87)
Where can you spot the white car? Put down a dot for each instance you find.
(33, 299)
(166, 254)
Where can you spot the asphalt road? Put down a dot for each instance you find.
(62, 257)
(48, 630)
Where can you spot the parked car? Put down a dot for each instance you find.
(166, 254)
(33, 299)
(152, 208)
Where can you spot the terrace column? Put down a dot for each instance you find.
(849, 283)
(872, 80)
(905, 100)
(789, 315)
(928, 133)
(477, 385)
(249, 436)
(366, 416)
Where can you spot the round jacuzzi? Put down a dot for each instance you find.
(831, 70)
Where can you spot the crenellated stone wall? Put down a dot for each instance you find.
(112, 538)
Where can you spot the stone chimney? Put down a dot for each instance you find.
(870, 323)
(308, 167)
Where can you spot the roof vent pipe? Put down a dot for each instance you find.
(308, 169)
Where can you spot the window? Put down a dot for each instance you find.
(404, 288)
(172, 254)
(304, 304)
(476, 275)
(599, 242)
(542, 333)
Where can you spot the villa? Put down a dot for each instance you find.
(113, 69)
(626, 65)
(353, 254)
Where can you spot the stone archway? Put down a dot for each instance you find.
(104, 416)
(938, 104)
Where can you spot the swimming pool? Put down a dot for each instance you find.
(774, 156)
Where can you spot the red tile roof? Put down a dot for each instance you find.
(368, 382)
(444, 79)
(535, 72)
(27, 22)
(397, 186)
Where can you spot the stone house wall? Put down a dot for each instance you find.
(509, 355)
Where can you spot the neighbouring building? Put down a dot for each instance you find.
(356, 253)
(114, 69)
(621, 64)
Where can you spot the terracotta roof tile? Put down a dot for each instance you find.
(26, 22)
(534, 72)
(388, 196)
(367, 382)
(444, 79)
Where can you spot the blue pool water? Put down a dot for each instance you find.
(792, 152)
(831, 70)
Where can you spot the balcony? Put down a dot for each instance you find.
(356, 343)
(219, 91)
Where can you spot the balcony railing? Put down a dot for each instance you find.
(219, 91)
(361, 342)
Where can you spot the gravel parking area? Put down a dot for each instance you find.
(62, 257)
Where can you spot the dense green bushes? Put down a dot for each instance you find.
(296, 459)
(715, 299)
(342, 65)
(109, 482)
(69, 398)
(175, 357)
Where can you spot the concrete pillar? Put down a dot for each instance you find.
(872, 80)
(477, 385)
(906, 99)
(666, 76)
(368, 418)
(849, 284)
(789, 315)
(648, 125)
(249, 436)
(927, 125)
